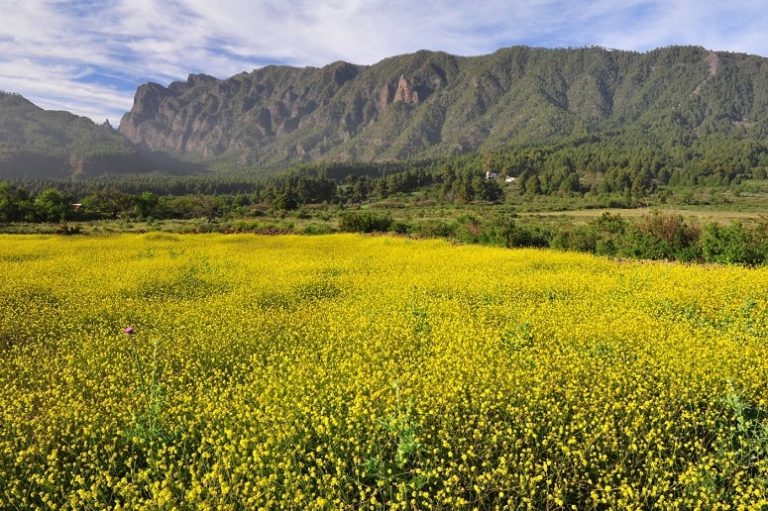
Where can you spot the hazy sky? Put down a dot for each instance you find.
(88, 56)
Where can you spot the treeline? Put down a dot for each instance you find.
(633, 164)
(158, 184)
(615, 163)
(52, 205)
(53, 201)
(624, 162)
(657, 236)
(621, 162)
(442, 182)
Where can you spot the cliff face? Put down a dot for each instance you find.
(427, 104)
(277, 114)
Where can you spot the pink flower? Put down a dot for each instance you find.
(128, 330)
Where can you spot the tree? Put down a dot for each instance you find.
(107, 202)
(8, 206)
(206, 206)
(145, 204)
(490, 190)
(533, 185)
(51, 206)
(286, 200)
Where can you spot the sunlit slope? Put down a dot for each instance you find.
(351, 372)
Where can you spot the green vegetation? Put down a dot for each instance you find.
(710, 233)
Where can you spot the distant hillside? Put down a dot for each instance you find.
(431, 104)
(37, 143)
(424, 105)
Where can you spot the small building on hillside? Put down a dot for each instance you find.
(491, 175)
(510, 179)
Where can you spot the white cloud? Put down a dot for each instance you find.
(88, 56)
(57, 88)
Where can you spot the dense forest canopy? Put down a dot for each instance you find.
(611, 163)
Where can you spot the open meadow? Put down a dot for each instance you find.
(166, 371)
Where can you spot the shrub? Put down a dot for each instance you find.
(434, 229)
(315, 228)
(364, 221)
(662, 236)
(732, 243)
(67, 229)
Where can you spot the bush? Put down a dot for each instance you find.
(662, 236)
(401, 227)
(732, 243)
(468, 229)
(581, 239)
(364, 221)
(67, 229)
(434, 229)
(502, 231)
(527, 235)
(315, 228)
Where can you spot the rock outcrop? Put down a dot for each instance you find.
(405, 92)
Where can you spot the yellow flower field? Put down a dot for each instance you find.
(353, 372)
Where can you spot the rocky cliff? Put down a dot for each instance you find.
(432, 103)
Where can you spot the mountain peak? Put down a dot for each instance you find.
(13, 99)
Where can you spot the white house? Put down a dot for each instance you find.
(491, 175)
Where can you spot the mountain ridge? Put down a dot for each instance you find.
(429, 103)
(422, 105)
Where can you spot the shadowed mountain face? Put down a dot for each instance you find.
(37, 143)
(40, 144)
(428, 104)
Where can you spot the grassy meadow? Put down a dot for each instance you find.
(368, 372)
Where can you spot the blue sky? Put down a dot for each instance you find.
(88, 56)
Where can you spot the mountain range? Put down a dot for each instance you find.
(421, 105)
